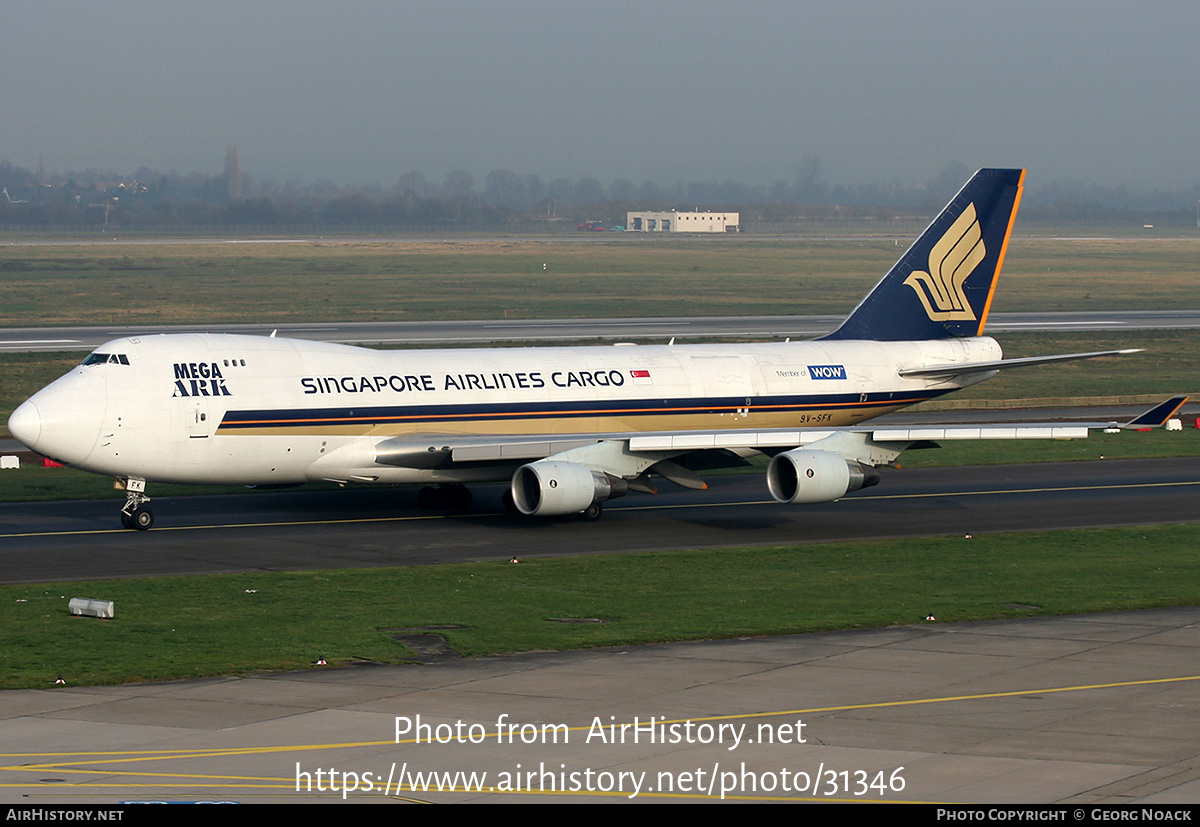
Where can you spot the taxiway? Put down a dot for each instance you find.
(1079, 711)
(366, 527)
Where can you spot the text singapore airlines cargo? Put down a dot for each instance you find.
(569, 427)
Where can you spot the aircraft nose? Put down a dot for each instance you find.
(25, 424)
(63, 420)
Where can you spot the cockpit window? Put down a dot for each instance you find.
(106, 359)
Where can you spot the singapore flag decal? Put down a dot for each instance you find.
(641, 377)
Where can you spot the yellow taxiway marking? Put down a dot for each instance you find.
(651, 507)
(348, 520)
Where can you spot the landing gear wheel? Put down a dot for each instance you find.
(453, 497)
(126, 521)
(506, 500)
(459, 497)
(592, 512)
(142, 519)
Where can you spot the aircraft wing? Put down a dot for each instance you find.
(440, 450)
(808, 465)
(1156, 417)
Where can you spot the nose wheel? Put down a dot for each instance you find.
(140, 519)
(136, 514)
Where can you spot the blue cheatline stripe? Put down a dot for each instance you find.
(429, 414)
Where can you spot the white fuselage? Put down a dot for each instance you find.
(256, 410)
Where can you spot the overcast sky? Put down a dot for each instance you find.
(361, 92)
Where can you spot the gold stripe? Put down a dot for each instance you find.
(1012, 219)
(1177, 407)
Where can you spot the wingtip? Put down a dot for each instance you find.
(1157, 416)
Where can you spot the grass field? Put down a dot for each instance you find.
(489, 279)
(420, 280)
(169, 628)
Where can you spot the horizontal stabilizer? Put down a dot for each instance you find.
(1003, 364)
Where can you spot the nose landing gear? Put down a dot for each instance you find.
(136, 514)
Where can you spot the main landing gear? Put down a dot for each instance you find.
(452, 497)
(136, 514)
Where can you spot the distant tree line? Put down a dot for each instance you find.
(173, 202)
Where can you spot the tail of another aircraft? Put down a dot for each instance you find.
(942, 287)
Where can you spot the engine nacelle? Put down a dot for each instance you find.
(804, 475)
(549, 488)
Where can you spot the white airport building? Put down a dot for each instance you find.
(683, 222)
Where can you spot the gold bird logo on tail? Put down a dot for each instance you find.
(951, 262)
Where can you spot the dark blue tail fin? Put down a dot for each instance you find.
(942, 287)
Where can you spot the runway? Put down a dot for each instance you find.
(367, 527)
(481, 332)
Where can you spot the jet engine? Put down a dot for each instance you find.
(803, 475)
(549, 488)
